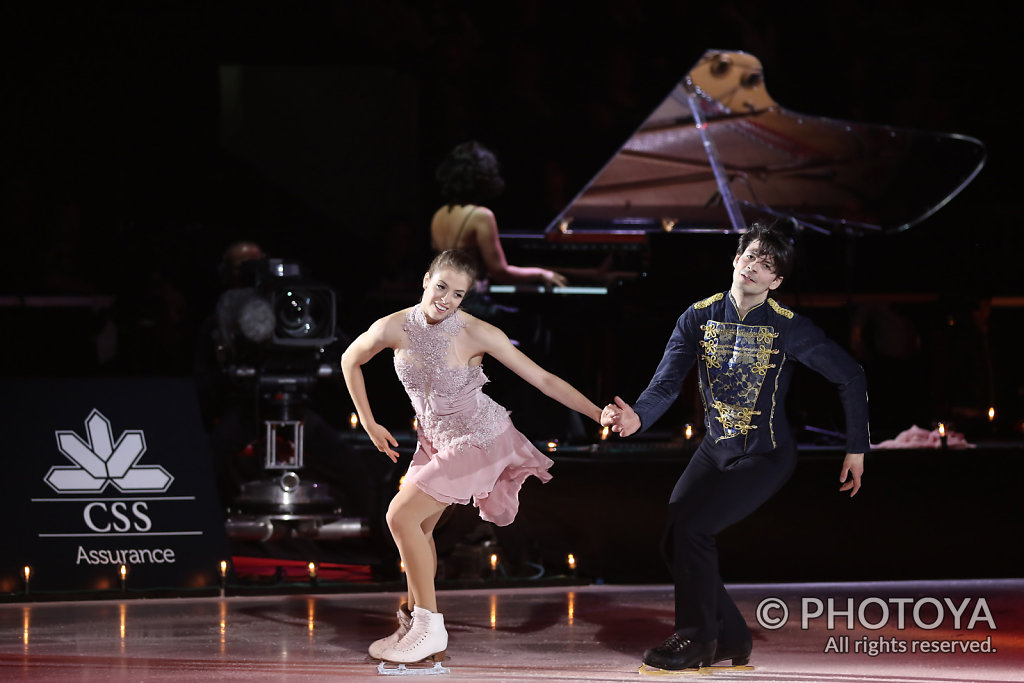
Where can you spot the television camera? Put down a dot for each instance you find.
(273, 338)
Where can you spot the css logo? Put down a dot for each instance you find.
(99, 461)
(118, 517)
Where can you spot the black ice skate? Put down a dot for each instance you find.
(681, 656)
(678, 654)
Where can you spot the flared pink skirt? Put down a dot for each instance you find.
(491, 477)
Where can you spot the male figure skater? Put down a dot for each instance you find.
(744, 345)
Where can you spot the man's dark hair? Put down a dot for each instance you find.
(470, 174)
(776, 247)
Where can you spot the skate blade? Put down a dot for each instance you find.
(646, 670)
(390, 669)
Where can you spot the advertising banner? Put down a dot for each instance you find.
(104, 474)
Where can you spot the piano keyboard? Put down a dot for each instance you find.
(541, 289)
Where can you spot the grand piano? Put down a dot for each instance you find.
(719, 153)
(653, 229)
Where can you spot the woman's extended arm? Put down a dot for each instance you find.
(494, 342)
(381, 335)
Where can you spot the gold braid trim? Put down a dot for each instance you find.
(710, 300)
(780, 309)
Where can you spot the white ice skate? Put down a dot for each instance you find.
(421, 650)
(377, 647)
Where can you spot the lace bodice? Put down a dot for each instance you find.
(450, 407)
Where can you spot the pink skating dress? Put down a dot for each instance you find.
(467, 447)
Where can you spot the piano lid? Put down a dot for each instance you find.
(719, 153)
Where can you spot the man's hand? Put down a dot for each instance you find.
(853, 465)
(621, 417)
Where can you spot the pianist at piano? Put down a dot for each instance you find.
(468, 177)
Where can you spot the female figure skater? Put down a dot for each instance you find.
(468, 448)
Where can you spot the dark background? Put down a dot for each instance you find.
(139, 139)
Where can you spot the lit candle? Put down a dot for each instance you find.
(312, 570)
(991, 413)
(353, 420)
(494, 562)
(124, 577)
(688, 431)
(28, 575)
(604, 432)
(415, 424)
(571, 561)
(942, 433)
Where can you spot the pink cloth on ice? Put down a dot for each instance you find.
(467, 447)
(915, 437)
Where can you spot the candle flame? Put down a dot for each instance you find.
(571, 561)
(353, 420)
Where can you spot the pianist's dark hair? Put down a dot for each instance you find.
(470, 174)
(458, 260)
(773, 244)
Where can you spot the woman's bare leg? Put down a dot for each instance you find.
(428, 531)
(411, 518)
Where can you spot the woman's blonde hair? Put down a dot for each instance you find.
(458, 260)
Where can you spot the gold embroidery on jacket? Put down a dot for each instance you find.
(780, 309)
(736, 358)
(710, 300)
